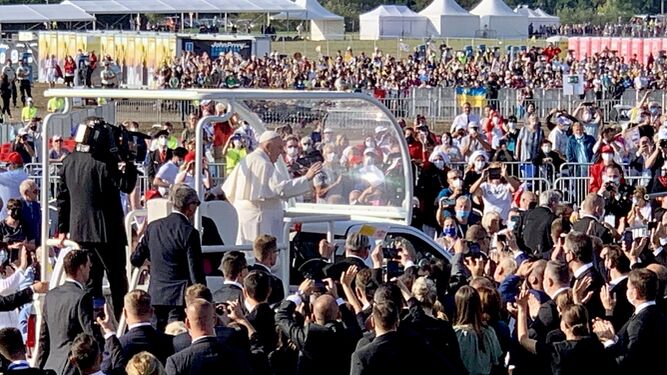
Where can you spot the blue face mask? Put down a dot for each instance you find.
(449, 232)
(461, 214)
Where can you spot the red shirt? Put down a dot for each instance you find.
(69, 67)
(221, 133)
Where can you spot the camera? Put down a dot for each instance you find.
(663, 143)
(494, 173)
(390, 252)
(104, 139)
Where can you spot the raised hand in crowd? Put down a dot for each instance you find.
(580, 292)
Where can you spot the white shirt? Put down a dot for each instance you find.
(9, 186)
(644, 305)
(200, 338)
(579, 271)
(559, 291)
(461, 121)
(497, 198)
(558, 138)
(617, 280)
(231, 282)
(167, 172)
(137, 325)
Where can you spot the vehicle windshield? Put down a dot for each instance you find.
(361, 149)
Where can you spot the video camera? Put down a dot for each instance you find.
(104, 139)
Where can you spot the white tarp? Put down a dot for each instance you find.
(496, 19)
(183, 6)
(449, 19)
(324, 25)
(34, 13)
(537, 17)
(392, 21)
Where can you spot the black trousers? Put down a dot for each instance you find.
(111, 260)
(5, 105)
(26, 90)
(14, 92)
(168, 314)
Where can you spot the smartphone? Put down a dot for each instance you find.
(628, 238)
(501, 238)
(473, 247)
(393, 270)
(447, 202)
(389, 253)
(98, 307)
(494, 173)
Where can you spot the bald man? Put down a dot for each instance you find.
(326, 344)
(257, 188)
(206, 355)
(592, 211)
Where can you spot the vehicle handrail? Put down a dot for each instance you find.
(128, 232)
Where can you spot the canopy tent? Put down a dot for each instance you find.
(392, 21)
(183, 6)
(324, 25)
(497, 20)
(537, 17)
(547, 19)
(38, 13)
(449, 19)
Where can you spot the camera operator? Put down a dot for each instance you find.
(655, 163)
(90, 210)
(616, 193)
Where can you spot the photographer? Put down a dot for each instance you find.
(496, 187)
(616, 193)
(22, 145)
(90, 210)
(655, 163)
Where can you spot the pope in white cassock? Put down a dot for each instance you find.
(257, 189)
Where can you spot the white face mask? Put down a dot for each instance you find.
(546, 150)
(440, 164)
(162, 141)
(330, 157)
(292, 151)
(457, 184)
(663, 241)
(613, 180)
(635, 201)
(306, 147)
(607, 157)
(479, 165)
(370, 144)
(237, 143)
(586, 117)
(511, 125)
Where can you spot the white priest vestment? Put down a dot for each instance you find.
(257, 189)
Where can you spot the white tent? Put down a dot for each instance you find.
(324, 25)
(547, 19)
(537, 17)
(497, 20)
(392, 21)
(38, 13)
(449, 19)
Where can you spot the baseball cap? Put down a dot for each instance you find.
(606, 148)
(14, 158)
(473, 124)
(22, 132)
(56, 138)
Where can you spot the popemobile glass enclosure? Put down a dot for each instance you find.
(366, 172)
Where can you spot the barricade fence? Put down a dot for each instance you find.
(438, 104)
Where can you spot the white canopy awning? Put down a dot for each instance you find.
(37, 13)
(183, 6)
(314, 11)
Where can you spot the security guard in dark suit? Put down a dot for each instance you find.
(172, 246)
(90, 209)
(265, 249)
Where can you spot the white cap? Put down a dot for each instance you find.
(328, 130)
(28, 100)
(380, 129)
(268, 136)
(23, 132)
(205, 102)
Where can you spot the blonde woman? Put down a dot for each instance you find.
(144, 363)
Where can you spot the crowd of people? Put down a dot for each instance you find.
(529, 279)
(638, 27)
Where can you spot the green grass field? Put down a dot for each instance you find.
(308, 48)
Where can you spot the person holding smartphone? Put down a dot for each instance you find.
(496, 187)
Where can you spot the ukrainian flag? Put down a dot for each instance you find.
(476, 96)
